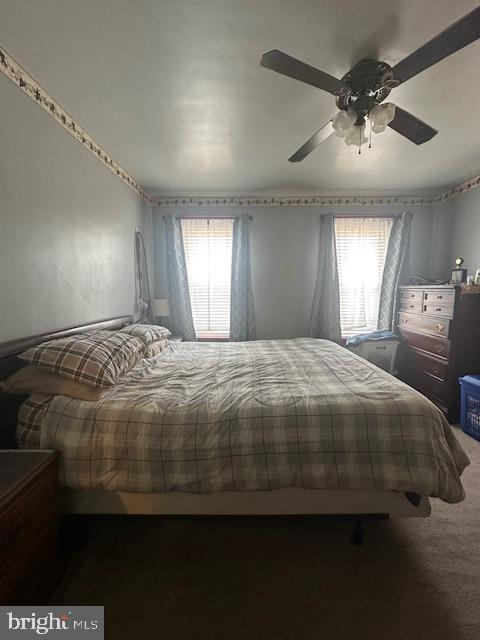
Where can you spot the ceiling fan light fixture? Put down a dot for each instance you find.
(381, 115)
(344, 123)
(357, 136)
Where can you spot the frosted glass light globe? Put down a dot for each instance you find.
(343, 123)
(381, 115)
(357, 136)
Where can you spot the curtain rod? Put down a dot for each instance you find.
(362, 215)
(187, 217)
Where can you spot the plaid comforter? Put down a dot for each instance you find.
(251, 416)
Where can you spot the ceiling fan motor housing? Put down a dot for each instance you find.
(369, 83)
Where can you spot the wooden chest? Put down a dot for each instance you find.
(30, 557)
(441, 329)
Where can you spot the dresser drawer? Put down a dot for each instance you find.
(444, 309)
(424, 324)
(437, 367)
(22, 520)
(431, 386)
(411, 295)
(437, 346)
(411, 306)
(437, 296)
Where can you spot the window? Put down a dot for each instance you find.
(208, 254)
(361, 249)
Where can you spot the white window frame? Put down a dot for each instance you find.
(215, 267)
(357, 276)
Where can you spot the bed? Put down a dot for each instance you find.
(266, 427)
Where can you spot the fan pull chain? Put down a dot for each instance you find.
(360, 141)
(370, 143)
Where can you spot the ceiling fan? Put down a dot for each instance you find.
(361, 91)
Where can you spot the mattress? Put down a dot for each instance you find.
(254, 416)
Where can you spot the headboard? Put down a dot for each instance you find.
(9, 363)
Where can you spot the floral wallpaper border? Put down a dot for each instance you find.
(316, 201)
(468, 185)
(297, 201)
(29, 86)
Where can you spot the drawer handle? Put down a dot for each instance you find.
(412, 306)
(438, 297)
(404, 320)
(438, 308)
(412, 295)
(440, 327)
(439, 348)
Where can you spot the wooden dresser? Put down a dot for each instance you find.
(441, 329)
(30, 555)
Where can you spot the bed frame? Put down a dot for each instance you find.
(290, 501)
(358, 503)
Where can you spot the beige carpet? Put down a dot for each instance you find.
(278, 579)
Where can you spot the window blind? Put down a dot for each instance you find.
(208, 254)
(361, 250)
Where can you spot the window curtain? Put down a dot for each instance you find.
(398, 246)
(181, 320)
(242, 311)
(325, 313)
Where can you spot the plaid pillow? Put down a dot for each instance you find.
(146, 332)
(97, 359)
(154, 348)
(31, 379)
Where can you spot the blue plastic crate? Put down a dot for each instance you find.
(470, 415)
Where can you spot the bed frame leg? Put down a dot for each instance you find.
(358, 532)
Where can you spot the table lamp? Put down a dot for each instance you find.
(160, 308)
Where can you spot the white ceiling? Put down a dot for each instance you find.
(172, 89)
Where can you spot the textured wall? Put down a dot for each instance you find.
(465, 229)
(66, 226)
(284, 245)
(442, 240)
(456, 232)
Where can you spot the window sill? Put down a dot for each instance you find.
(349, 334)
(213, 336)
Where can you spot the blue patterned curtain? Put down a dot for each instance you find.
(181, 320)
(398, 246)
(242, 310)
(325, 314)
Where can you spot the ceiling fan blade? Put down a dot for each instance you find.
(411, 127)
(288, 66)
(454, 38)
(312, 143)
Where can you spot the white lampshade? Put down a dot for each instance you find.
(160, 307)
